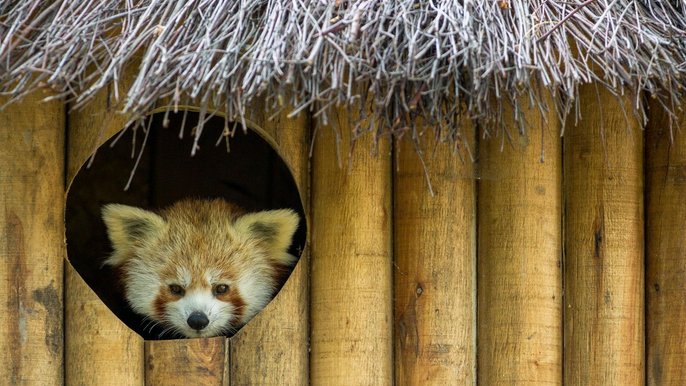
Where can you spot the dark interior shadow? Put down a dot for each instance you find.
(250, 174)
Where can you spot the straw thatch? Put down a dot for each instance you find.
(410, 59)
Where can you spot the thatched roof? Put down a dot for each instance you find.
(411, 58)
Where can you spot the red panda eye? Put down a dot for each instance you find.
(176, 289)
(221, 289)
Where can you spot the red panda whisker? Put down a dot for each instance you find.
(228, 330)
(173, 330)
(149, 324)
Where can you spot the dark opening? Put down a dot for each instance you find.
(251, 175)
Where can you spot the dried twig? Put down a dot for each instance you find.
(416, 61)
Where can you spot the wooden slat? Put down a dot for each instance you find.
(604, 322)
(273, 348)
(99, 348)
(666, 249)
(31, 246)
(519, 337)
(199, 362)
(435, 263)
(351, 280)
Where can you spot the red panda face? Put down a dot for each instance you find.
(210, 301)
(199, 268)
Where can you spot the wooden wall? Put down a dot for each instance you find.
(544, 260)
(31, 246)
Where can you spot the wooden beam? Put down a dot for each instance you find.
(199, 362)
(435, 261)
(603, 158)
(519, 337)
(351, 279)
(32, 243)
(666, 248)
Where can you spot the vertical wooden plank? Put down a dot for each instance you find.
(351, 280)
(435, 263)
(272, 349)
(665, 250)
(99, 348)
(185, 362)
(32, 247)
(603, 158)
(519, 333)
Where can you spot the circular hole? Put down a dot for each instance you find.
(250, 174)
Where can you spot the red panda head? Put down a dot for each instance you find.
(200, 268)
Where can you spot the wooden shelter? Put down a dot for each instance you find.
(454, 236)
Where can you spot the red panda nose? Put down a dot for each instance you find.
(198, 321)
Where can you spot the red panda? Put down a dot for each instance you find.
(200, 268)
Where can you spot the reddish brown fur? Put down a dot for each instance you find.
(239, 304)
(196, 245)
(160, 306)
(197, 212)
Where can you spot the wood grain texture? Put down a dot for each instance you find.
(272, 349)
(351, 281)
(604, 321)
(99, 348)
(435, 263)
(32, 246)
(519, 336)
(186, 362)
(665, 250)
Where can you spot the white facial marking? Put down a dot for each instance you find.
(184, 276)
(142, 287)
(256, 290)
(212, 275)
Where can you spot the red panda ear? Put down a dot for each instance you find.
(273, 228)
(127, 227)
